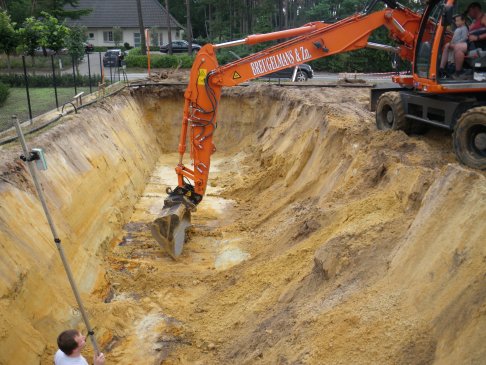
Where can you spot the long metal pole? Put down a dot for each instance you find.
(42, 199)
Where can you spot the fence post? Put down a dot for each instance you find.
(54, 81)
(89, 73)
(101, 65)
(27, 88)
(74, 78)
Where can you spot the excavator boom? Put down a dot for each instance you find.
(312, 41)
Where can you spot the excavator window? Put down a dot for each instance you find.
(426, 39)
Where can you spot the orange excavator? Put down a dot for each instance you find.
(419, 98)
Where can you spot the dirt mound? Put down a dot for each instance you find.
(320, 240)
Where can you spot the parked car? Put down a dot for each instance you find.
(88, 47)
(304, 72)
(40, 52)
(113, 58)
(180, 47)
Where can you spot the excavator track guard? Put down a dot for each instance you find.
(169, 230)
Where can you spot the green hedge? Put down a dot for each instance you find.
(4, 92)
(158, 61)
(16, 80)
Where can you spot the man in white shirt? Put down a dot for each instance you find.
(71, 343)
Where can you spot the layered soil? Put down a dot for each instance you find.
(321, 240)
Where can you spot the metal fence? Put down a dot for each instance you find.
(44, 83)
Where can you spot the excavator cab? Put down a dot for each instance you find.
(428, 98)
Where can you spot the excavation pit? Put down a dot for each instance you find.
(320, 240)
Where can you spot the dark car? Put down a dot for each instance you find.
(88, 47)
(180, 46)
(39, 51)
(113, 58)
(304, 72)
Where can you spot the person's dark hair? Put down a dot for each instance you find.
(461, 16)
(474, 5)
(66, 341)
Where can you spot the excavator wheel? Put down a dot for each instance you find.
(469, 138)
(390, 113)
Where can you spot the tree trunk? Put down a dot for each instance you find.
(210, 19)
(143, 44)
(231, 19)
(8, 63)
(189, 26)
(206, 22)
(286, 15)
(169, 30)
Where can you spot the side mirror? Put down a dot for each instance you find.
(447, 16)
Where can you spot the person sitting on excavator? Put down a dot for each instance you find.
(71, 343)
(475, 12)
(460, 36)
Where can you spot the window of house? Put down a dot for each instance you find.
(136, 39)
(161, 39)
(178, 33)
(91, 35)
(108, 36)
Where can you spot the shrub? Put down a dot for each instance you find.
(134, 59)
(126, 45)
(4, 92)
(136, 51)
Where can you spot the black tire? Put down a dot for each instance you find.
(469, 138)
(390, 113)
(301, 76)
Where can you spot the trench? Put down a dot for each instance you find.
(320, 240)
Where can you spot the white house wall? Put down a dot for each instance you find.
(128, 36)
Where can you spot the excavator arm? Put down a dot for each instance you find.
(311, 41)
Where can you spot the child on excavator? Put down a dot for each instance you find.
(476, 39)
(460, 35)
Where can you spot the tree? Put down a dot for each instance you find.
(74, 43)
(117, 36)
(8, 36)
(143, 46)
(189, 26)
(30, 36)
(169, 31)
(19, 10)
(54, 33)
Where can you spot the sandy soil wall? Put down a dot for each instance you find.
(98, 163)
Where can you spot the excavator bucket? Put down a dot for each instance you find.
(170, 228)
